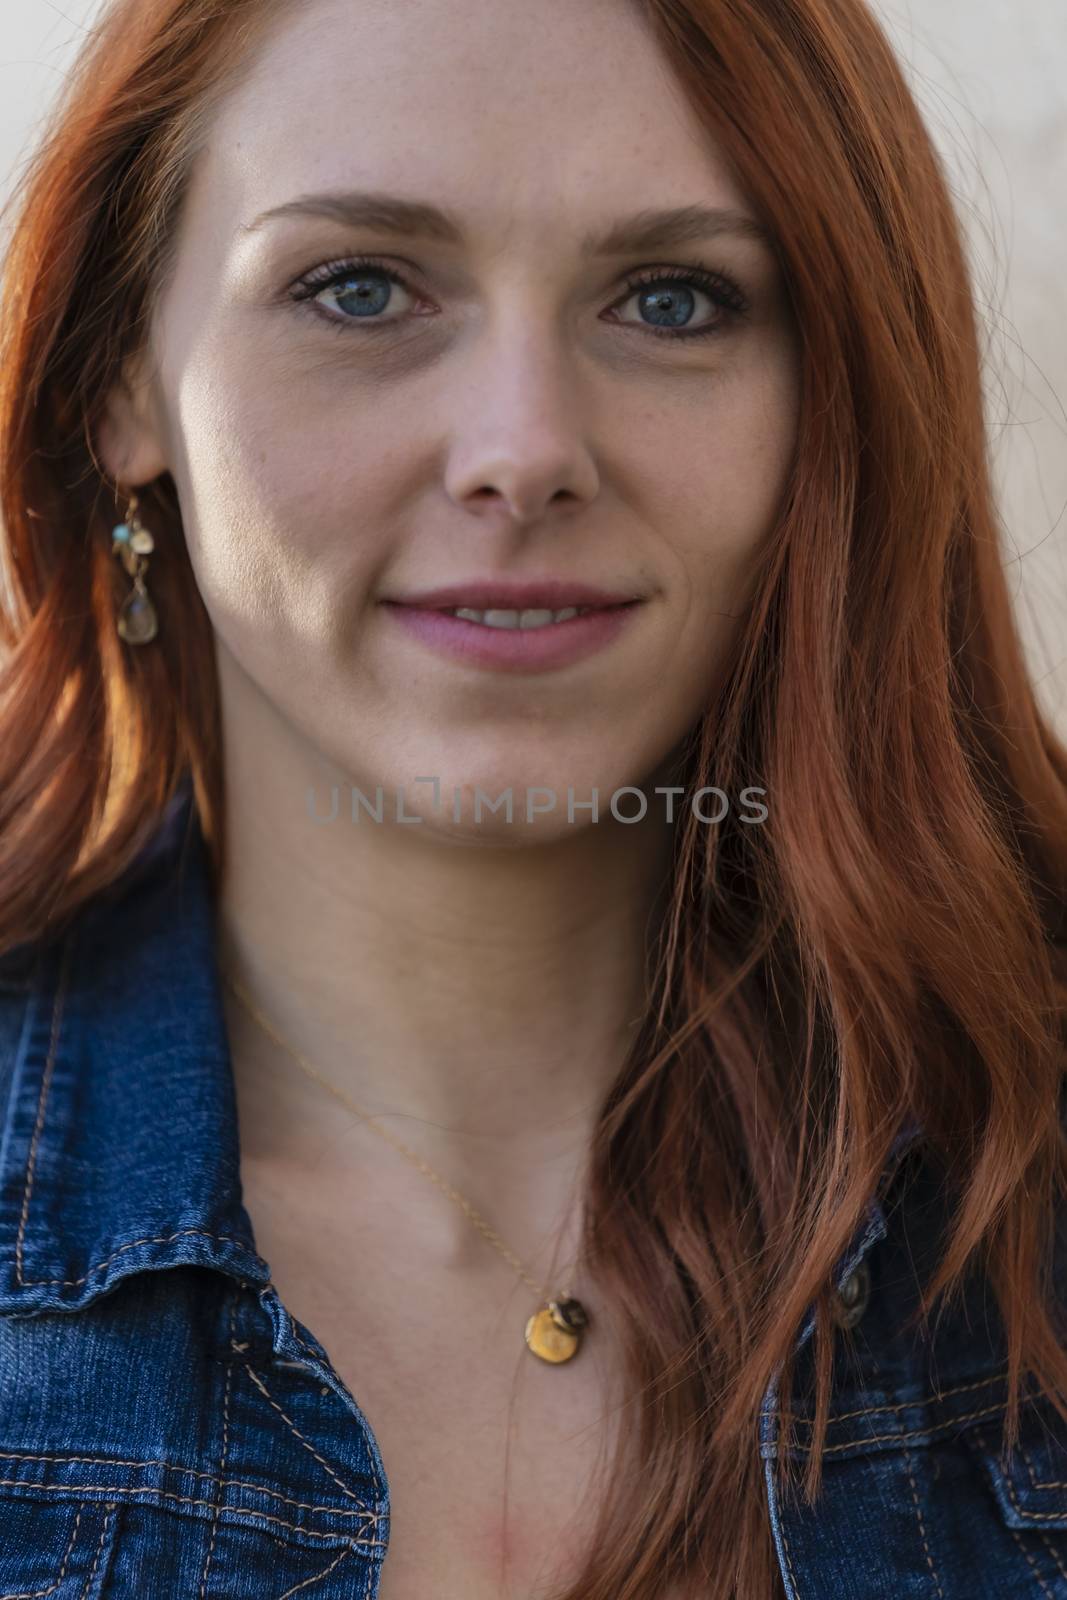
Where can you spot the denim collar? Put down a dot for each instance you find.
(119, 1144)
(119, 1150)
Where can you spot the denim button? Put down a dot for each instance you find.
(850, 1301)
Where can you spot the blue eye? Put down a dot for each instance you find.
(668, 292)
(361, 286)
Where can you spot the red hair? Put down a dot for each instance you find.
(884, 947)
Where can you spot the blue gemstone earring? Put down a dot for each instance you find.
(137, 621)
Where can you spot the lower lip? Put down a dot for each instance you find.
(557, 644)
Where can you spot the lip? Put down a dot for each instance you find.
(558, 644)
(530, 594)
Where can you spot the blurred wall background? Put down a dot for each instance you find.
(990, 79)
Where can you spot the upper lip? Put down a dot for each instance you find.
(533, 594)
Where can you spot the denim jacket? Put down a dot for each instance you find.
(168, 1429)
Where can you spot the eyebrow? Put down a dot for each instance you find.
(645, 230)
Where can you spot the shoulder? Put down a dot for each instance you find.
(83, 1012)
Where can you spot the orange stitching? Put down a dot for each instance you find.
(917, 1432)
(910, 1470)
(1032, 1516)
(904, 1405)
(299, 1337)
(777, 1415)
(37, 1594)
(225, 1448)
(1033, 1565)
(257, 1380)
(1053, 1552)
(185, 1500)
(789, 1559)
(99, 1549)
(158, 1238)
(1039, 1483)
(317, 1577)
(1011, 1495)
(229, 1483)
(922, 1524)
(194, 1472)
(31, 1162)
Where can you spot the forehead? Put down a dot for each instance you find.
(513, 113)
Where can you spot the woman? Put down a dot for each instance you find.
(646, 1191)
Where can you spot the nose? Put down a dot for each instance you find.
(520, 447)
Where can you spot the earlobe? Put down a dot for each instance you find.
(127, 441)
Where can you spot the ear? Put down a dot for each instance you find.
(129, 439)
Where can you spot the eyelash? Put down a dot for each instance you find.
(716, 285)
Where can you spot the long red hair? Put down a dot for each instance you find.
(882, 948)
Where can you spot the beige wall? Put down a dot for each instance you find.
(990, 78)
(992, 81)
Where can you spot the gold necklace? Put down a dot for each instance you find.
(555, 1331)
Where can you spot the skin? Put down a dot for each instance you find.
(478, 986)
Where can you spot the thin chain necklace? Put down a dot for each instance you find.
(554, 1333)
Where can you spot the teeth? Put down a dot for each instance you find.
(516, 619)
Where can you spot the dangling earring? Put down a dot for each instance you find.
(133, 544)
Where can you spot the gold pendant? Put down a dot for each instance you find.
(555, 1332)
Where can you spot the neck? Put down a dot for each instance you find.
(478, 1000)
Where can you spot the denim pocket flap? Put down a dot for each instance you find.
(59, 1548)
(1030, 1482)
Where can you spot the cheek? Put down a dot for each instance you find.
(749, 472)
(751, 445)
(733, 459)
(279, 508)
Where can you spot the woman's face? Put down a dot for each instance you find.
(506, 412)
